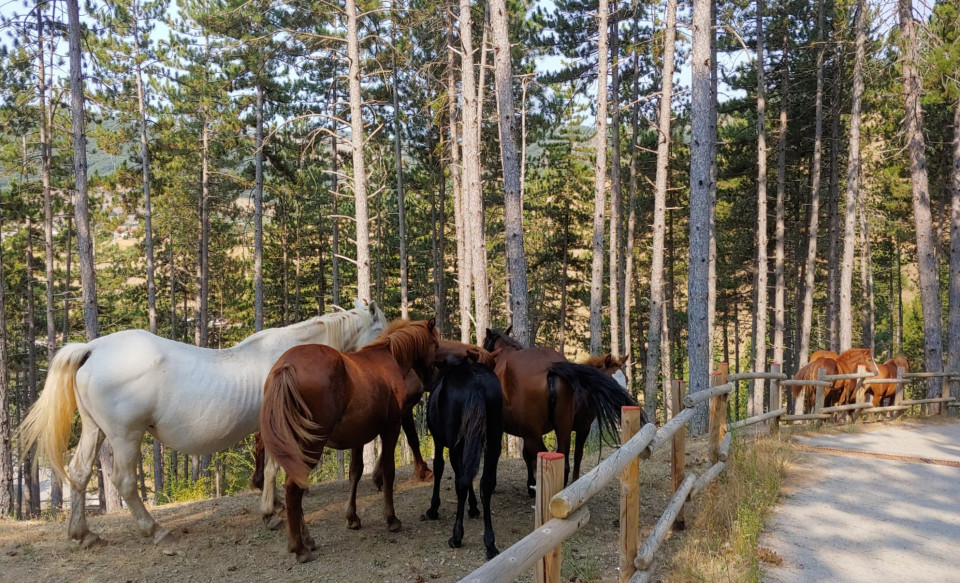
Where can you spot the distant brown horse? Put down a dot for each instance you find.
(888, 370)
(583, 420)
(542, 392)
(842, 391)
(317, 397)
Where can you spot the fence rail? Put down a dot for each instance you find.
(561, 513)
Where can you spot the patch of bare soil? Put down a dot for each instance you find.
(224, 539)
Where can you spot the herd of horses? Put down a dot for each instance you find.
(339, 381)
(843, 391)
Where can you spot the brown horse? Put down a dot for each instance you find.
(888, 370)
(583, 420)
(542, 392)
(317, 397)
(842, 391)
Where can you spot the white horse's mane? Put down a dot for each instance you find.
(337, 326)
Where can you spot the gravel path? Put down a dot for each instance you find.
(854, 518)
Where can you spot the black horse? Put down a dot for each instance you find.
(465, 415)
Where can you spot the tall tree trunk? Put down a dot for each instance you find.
(659, 216)
(953, 315)
(833, 207)
(866, 280)
(760, 341)
(6, 446)
(31, 475)
(145, 170)
(513, 202)
(702, 116)
(464, 263)
(629, 290)
(616, 198)
(600, 182)
(712, 226)
(564, 268)
(258, 214)
(356, 146)
(203, 244)
(398, 162)
(926, 243)
(810, 267)
(779, 298)
(335, 222)
(845, 314)
(472, 204)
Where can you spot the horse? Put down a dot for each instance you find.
(542, 392)
(842, 391)
(585, 416)
(195, 400)
(465, 415)
(888, 370)
(317, 397)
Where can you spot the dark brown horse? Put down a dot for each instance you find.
(542, 392)
(888, 370)
(842, 391)
(317, 397)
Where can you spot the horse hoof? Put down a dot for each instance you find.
(90, 540)
(424, 475)
(353, 523)
(164, 537)
(492, 552)
(532, 491)
(310, 543)
(431, 514)
(473, 513)
(393, 525)
(306, 556)
(273, 522)
(454, 543)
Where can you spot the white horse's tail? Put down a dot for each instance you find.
(50, 421)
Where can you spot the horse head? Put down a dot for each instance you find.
(372, 322)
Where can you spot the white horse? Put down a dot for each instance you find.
(195, 400)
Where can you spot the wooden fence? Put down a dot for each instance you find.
(561, 513)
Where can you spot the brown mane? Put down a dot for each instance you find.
(405, 338)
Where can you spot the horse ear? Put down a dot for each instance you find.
(357, 304)
(473, 355)
(373, 307)
(608, 361)
(508, 330)
(624, 359)
(432, 323)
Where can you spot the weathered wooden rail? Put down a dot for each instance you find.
(562, 512)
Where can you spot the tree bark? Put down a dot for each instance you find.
(600, 182)
(701, 151)
(356, 147)
(866, 280)
(258, 213)
(616, 198)
(398, 162)
(953, 315)
(659, 216)
(513, 203)
(145, 170)
(464, 263)
(845, 313)
(810, 267)
(926, 243)
(31, 475)
(6, 446)
(760, 340)
(779, 297)
(833, 212)
(472, 204)
(629, 291)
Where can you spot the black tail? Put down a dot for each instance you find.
(473, 429)
(597, 390)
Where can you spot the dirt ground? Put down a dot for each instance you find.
(223, 539)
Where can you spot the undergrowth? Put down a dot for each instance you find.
(721, 543)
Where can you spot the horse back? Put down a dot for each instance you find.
(523, 376)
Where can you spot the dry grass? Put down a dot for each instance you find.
(721, 543)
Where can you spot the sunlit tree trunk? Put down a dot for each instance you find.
(6, 449)
(616, 198)
(923, 221)
(760, 344)
(833, 208)
(258, 214)
(600, 181)
(356, 146)
(398, 162)
(810, 266)
(464, 263)
(31, 475)
(866, 280)
(953, 316)
(513, 204)
(779, 296)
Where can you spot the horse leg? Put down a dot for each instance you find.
(126, 456)
(271, 508)
(389, 475)
(463, 484)
(431, 512)
(488, 483)
(473, 511)
(81, 466)
(529, 457)
(420, 468)
(578, 451)
(356, 470)
(295, 523)
(563, 446)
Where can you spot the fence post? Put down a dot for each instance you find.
(821, 394)
(724, 369)
(630, 422)
(549, 482)
(718, 418)
(774, 398)
(858, 394)
(679, 447)
(898, 395)
(945, 392)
